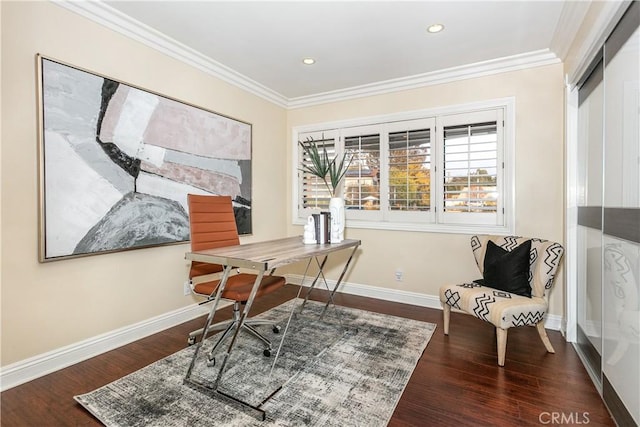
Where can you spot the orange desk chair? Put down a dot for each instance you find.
(213, 225)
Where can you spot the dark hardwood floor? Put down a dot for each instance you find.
(457, 381)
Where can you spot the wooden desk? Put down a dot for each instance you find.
(260, 257)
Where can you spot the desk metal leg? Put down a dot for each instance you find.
(286, 327)
(335, 288)
(315, 280)
(213, 390)
(321, 273)
(251, 410)
(223, 283)
(243, 317)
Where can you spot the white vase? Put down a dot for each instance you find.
(336, 207)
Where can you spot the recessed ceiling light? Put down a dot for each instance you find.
(308, 61)
(435, 28)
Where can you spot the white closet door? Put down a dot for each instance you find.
(621, 220)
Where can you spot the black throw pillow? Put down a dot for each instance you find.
(508, 270)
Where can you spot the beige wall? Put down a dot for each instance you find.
(432, 259)
(47, 306)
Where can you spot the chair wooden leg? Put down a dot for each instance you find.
(502, 345)
(446, 314)
(543, 336)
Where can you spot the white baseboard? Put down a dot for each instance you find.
(394, 295)
(46, 363)
(553, 321)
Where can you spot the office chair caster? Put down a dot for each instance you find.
(276, 329)
(267, 352)
(191, 340)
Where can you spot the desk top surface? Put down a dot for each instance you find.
(268, 254)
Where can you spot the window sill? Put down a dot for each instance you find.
(423, 227)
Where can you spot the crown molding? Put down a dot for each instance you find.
(115, 20)
(571, 17)
(604, 24)
(495, 66)
(111, 18)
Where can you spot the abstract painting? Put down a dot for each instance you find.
(117, 163)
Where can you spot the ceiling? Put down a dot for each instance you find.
(355, 43)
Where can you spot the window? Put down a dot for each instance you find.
(314, 192)
(362, 180)
(410, 170)
(472, 167)
(448, 170)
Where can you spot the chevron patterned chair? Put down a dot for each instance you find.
(517, 273)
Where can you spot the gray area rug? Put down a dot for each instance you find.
(348, 369)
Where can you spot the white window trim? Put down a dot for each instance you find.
(508, 156)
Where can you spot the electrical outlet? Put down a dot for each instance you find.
(186, 288)
(399, 275)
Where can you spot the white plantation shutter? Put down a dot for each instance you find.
(410, 170)
(472, 167)
(362, 183)
(313, 191)
(408, 173)
(443, 172)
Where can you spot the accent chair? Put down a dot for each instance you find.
(518, 273)
(212, 225)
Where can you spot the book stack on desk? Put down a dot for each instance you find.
(322, 223)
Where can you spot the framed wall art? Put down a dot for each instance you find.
(117, 163)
